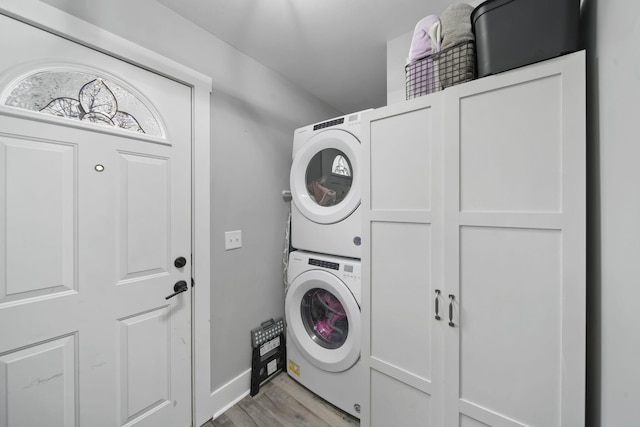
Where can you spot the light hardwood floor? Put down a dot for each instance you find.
(282, 402)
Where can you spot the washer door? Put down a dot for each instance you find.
(323, 319)
(325, 176)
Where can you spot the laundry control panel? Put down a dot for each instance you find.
(329, 123)
(324, 264)
(349, 271)
(351, 119)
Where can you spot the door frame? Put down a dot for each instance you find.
(48, 18)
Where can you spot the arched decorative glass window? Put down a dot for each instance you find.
(83, 96)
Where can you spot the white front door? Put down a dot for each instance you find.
(93, 216)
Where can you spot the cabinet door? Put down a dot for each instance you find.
(515, 248)
(402, 264)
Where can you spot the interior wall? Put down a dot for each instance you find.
(397, 51)
(254, 112)
(612, 37)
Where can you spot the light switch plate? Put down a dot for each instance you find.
(232, 240)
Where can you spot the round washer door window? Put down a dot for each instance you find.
(325, 177)
(324, 320)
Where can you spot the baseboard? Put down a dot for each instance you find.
(230, 393)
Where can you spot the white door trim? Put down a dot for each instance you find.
(57, 22)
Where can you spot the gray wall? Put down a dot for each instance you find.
(254, 112)
(612, 37)
(397, 51)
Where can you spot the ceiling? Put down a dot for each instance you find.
(334, 49)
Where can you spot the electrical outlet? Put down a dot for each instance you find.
(232, 240)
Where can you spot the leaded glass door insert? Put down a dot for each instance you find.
(84, 96)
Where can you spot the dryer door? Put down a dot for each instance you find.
(323, 319)
(325, 176)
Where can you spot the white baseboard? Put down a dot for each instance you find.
(230, 393)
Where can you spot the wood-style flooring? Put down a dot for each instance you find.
(282, 402)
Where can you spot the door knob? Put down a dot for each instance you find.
(180, 262)
(179, 288)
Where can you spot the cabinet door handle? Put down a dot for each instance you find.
(438, 304)
(451, 298)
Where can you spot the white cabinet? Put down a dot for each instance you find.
(474, 203)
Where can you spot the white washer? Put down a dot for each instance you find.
(325, 187)
(322, 309)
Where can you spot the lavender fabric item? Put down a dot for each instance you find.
(421, 44)
(421, 66)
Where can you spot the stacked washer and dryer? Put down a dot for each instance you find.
(322, 302)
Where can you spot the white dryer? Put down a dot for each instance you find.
(325, 187)
(322, 309)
